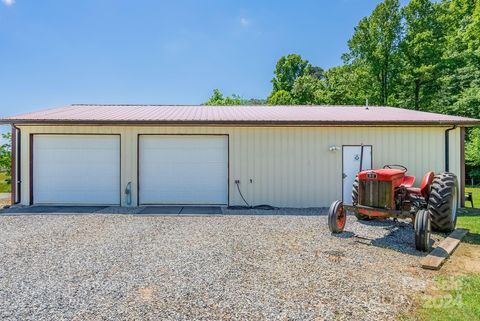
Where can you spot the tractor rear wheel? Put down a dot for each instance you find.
(355, 201)
(337, 217)
(443, 202)
(422, 230)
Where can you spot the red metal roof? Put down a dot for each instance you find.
(175, 114)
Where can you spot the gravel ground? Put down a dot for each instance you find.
(124, 267)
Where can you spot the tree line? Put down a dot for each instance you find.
(423, 56)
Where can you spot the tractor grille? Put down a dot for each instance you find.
(375, 193)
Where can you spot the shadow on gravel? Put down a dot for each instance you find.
(344, 235)
(398, 236)
(407, 247)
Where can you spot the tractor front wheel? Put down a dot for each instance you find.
(337, 217)
(422, 231)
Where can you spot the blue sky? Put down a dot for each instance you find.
(55, 52)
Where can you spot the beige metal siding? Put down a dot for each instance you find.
(289, 166)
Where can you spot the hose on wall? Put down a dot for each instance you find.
(247, 205)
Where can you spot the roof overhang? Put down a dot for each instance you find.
(30, 122)
(195, 115)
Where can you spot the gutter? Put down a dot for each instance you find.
(447, 148)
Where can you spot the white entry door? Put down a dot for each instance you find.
(183, 169)
(351, 166)
(76, 169)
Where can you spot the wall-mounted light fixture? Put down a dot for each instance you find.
(334, 148)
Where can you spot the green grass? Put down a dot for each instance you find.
(476, 196)
(4, 186)
(470, 219)
(458, 297)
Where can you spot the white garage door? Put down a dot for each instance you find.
(76, 169)
(183, 169)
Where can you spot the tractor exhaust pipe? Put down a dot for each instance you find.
(447, 148)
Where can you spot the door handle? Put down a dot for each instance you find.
(344, 175)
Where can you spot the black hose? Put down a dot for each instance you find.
(248, 206)
(265, 207)
(241, 195)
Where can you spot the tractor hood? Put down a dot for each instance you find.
(381, 174)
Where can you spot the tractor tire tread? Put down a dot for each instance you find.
(440, 202)
(422, 232)
(332, 217)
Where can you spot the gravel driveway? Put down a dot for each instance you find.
(119, 267)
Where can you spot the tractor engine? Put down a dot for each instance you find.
(381, 188)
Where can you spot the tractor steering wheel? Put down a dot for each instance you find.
(394, 166)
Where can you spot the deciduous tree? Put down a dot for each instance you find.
(287, 70)
(307, 90)
(421, 53)
(375, 44)
(217, 99)
(472, 153)
(281, 97)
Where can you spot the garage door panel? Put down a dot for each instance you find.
(177, 197)
(88, 197)
(183, 169)
(201, 172)
(76, 169)
(180, 156)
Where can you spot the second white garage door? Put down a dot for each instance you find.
(183, 169)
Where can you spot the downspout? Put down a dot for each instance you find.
(361, 158)
(447, 148)
(16, 176)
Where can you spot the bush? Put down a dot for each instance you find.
(6, 155)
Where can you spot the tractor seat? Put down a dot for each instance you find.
(424, 189)
(408, 181)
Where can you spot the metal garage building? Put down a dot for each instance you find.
(292, 156)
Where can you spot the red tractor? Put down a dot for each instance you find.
(389, 192)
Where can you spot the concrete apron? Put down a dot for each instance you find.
(157, 210)
(146, 210)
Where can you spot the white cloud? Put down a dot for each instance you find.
(8, 2)
(244, 22)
